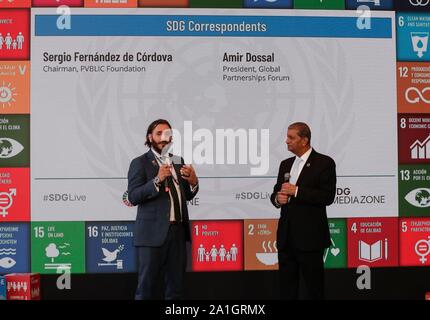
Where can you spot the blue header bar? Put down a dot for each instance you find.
(213, 26)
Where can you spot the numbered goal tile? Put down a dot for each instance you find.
(261, 252)
(57, 247)
(109, 247)
(14, 248)
(414, 138)
(14, 194)
(15, 87)
(14, 140)
(415, 242)
(414, 190)
(336, 255)
(413, 87)
(217, 245)
(15, 34)
(373, 242)
(413, 36)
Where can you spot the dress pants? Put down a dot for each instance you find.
(307, 265)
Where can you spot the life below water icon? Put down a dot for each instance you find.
(6, 201)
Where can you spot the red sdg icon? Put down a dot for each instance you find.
(372, 242)
(217, 246)
(415, 242)
(14, 194)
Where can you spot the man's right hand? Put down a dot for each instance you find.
(164, 172)
(282, 198)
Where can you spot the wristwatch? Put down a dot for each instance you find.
(157, 181)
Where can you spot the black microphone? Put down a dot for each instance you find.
(287, 177)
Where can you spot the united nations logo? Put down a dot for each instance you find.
(125, 200)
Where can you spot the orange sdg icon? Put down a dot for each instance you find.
(14, 87)
(261, 252)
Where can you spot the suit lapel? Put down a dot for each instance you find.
(153, 166)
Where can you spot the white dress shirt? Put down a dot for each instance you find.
(300, 163)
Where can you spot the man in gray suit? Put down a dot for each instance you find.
(160, 184)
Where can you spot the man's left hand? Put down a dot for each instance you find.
(188, 173)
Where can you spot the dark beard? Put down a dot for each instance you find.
(156, 147)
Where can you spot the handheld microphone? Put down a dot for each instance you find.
(287, 177)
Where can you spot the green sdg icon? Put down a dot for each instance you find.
(414, 190)
(319, 4)
(14, 141)
(57, 247)
(336, 255)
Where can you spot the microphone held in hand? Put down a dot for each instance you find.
(287, 177)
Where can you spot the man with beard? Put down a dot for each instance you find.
(160, 184)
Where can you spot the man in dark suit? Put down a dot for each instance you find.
(306, 185)
(160, 184)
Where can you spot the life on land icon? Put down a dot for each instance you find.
(52, 252)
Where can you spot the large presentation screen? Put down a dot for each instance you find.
(230, 82)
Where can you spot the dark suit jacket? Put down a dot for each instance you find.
(303, 223)
(153, 211)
